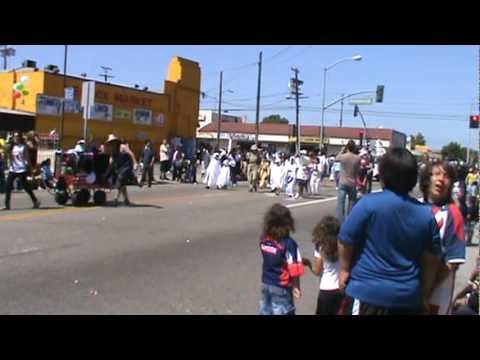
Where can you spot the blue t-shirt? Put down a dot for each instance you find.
(281, 261)
(390, 232)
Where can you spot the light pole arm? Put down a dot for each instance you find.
(346, 97)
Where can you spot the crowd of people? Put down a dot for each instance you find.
(390, 255)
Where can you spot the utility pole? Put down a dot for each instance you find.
(295, 84)
(105, 74)
(219, 109)
(65, 54)
(341, 112)
(6, 52)
(257, 115)
(296, 92)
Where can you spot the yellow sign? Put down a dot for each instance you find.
(305, 139)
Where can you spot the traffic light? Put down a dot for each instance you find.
(360, 135)
(355, 111)
(474, 120)
(380, 89)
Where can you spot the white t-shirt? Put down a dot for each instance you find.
(322, 163)
(163, 152)
(330, 275)
(18, 162)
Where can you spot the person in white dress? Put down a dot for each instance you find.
(213, 171)
(277, 175)
(224, 178)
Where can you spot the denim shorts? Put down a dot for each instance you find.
(276, 300)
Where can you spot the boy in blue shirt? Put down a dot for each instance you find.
(389, 246)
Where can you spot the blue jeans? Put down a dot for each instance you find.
(276, 301)
(343, 192)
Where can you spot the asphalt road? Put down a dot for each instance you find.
(181, 250)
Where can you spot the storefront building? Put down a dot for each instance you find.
(128, 112)
(280, 137)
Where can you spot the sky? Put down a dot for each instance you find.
(429, 89)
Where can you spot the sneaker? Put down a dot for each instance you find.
(6, 208)
(36, 204)
(296, 196)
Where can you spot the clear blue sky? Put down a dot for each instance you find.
(428, 89)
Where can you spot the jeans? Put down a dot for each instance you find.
(9, 187)
(276, 301)
(469, 228)
(343, 192)
(148, 172)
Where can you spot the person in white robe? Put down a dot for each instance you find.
(276, 175)
(213, 171)
(224, 178)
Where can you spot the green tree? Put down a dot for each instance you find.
(454, 150)
(274, 119)
(418, 139)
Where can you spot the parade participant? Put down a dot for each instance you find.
(451, 225)
(177, 162)
(164, 150)
(276, 175)
(19, 165)
(389, 246)
(315, 175)
(224, 178)
(301, 173)
(148, 162)
(264, 173)
(213, 171)
(253, 160)
(237, 157)
(362, 181)
(326, 265)
(120, 171)
(336, 172)
(323, 165)
(282, 263)
(349, 166)
(289, 176)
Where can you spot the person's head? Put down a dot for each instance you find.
(325, 235)
(398, 170)
(18, 137)
(278, 222)
(351, 147)
(443, 176)
(164, 142)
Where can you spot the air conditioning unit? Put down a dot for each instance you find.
(29, 64)
(52, 68)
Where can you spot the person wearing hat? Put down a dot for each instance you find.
(120, 172)
(253, 161)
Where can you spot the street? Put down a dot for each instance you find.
(181, 249)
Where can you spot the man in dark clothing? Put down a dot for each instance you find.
(148, 162)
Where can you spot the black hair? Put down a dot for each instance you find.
(351, 146)
(398, 170)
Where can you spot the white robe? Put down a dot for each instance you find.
(213, 171)
(289, 178)
(224, 176)
(315, 180)
(276, 176)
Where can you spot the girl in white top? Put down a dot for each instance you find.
(326, 265)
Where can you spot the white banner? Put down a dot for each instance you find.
(142, 116)
(102, 112)
(49, 105)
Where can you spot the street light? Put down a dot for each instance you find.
(353, 58)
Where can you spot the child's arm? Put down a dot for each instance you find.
(297, 292)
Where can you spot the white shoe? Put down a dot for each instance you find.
(296, 196)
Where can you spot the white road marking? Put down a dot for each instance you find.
(314, 202)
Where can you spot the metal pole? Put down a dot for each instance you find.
(85, 124)
(63, 101)
(257, 115)
(219, 109)
(297, 121)
(341, 112)
(323, 108)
